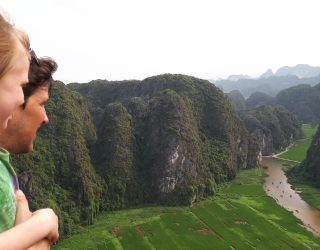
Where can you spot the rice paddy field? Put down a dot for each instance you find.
(299, 150)
(240, 216)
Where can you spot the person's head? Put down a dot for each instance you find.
(14, 67)
(21, 131)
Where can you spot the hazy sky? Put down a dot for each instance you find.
(135, 39)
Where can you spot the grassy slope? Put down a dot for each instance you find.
(241, 215)
(299, 150)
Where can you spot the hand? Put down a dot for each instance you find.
(50, 219)
(23, 212)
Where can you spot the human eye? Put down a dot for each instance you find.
(43, 104)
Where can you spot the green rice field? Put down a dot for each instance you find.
(240, 216)
(298, 152)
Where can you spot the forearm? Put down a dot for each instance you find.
(42, 245)
(25, 234)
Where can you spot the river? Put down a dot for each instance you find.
(276, 186)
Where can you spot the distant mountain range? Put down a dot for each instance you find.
(271, 83)
(302, 100)
(235, 78)
(300, 70)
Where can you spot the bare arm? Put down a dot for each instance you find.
(43, 224)
(32, 231)
(23, 214)
(41, 245)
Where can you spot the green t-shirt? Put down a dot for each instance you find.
(8, 184)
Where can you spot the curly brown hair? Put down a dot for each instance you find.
(40, 74)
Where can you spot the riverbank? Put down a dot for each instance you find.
(307, 190)
(276, 186)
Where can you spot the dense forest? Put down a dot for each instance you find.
(271, 128)
(181, 134)
(301, 100)
(237, 100)
(169, 139)
(257, 99)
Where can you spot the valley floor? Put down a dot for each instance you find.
(240, 216)
(297, 153)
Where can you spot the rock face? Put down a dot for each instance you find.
(114, 155)
(310, 168)
(271, 129)
(260, 144)
(172, 151)
(185, 135)
(257, 99)
(168, 139)
(302, 100)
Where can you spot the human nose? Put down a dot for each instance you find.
(20, 99)
(45, 118)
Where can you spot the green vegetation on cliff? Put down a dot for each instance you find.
(258, 99)
(271, 129)
(237, 99)
(309, 170)
(275, 127)
(169, 139)
(303, 100)
(182, 139)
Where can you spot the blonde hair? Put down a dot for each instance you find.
(11, 39)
